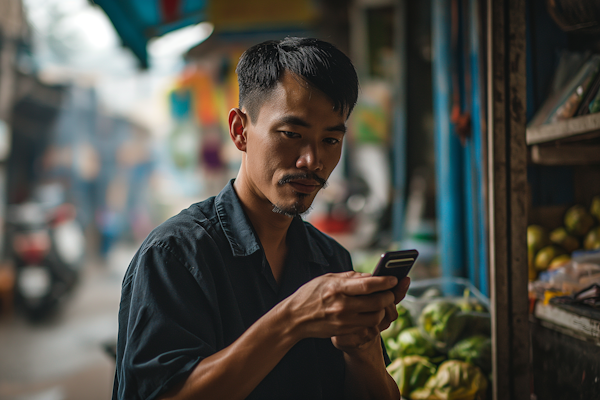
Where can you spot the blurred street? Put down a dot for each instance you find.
(110, 124)
(64, 359)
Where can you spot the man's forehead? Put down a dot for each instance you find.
(289, 83)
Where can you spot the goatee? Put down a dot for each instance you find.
(295, 210)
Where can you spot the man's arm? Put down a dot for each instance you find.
(247, 361)
(366, 375)
(327, 306)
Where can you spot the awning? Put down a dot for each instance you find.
(137, 21)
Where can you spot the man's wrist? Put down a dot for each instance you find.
(287, 323)
(369, 352)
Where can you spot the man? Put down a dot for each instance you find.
(236, 297)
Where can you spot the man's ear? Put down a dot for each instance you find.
(237, 131)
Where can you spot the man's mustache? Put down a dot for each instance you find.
(307, 175)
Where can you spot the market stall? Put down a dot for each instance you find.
(563, 198)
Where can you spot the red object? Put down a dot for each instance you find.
(63, 213)
(329, 224)
(170, 10)
(32, 247)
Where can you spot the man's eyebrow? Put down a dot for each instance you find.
(338, 128)
(293, 120)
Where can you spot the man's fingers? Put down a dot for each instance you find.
(391, 314)
(351, 274)
(360, 322)
(371, 302)
(355, 340)
(401, 289)
(367, 285)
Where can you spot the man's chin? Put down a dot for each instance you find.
(295, 210)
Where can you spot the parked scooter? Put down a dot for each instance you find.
(47, 247)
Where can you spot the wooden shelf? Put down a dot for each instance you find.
(565, 155)
(575, 141)
(570, 128)
(571, 324)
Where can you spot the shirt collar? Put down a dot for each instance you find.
(235, 224)
(240, 233)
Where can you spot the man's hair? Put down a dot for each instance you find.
(319, 63)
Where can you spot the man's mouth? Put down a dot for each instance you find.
(304, 183)
(305, 186)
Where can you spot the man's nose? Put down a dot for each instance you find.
(310, 158)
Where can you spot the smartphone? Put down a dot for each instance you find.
(396, 263)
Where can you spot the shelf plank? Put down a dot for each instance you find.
(576, 325)
(563, 129)
(565, 155)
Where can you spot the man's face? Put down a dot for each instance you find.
(293, 146)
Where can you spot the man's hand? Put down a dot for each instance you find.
(342, 304)
(391, 313)
(366, 337)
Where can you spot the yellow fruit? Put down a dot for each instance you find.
(559, 261)
(592, 239)
(578, 221)
(537, 237)
(545, 256)
(561, 237)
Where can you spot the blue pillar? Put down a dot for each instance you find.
(478, 115)
(447, 149)
(399, 126)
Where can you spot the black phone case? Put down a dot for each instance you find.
(396, 263)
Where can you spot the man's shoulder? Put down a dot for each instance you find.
(193, 240)
(189, 228)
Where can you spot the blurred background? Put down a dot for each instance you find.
(113, 117)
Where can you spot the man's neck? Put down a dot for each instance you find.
(270, 227)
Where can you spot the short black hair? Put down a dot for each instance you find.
(319, 63)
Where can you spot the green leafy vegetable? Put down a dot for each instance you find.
(476, 350)
(454, 380)
(412, 342)
(411, 372)
(442, 323)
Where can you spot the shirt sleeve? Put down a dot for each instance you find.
(165, 326)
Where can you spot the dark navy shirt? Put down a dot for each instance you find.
(198, 282)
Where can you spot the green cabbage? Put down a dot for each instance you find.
(412, 342)
(411, 372)
(442, 323)
(454, 380)
(476, 350)
(470, 304)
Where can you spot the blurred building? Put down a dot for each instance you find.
(133, 134)
(14, 39)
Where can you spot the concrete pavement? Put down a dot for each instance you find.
(64, 359)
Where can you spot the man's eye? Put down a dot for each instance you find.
(290, 134)
(332, 141)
